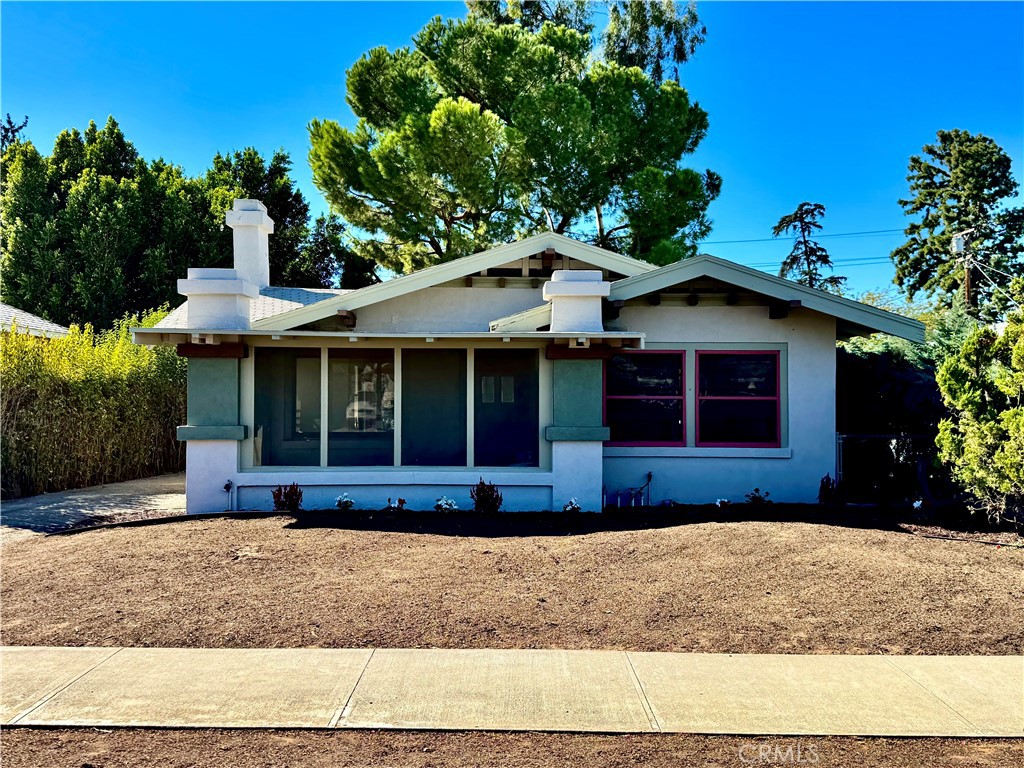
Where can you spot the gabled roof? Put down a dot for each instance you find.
(453, 270)
(858, 318)
(273, 300)
(26, 322)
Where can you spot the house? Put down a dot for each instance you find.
(12, 318)
(552, 368)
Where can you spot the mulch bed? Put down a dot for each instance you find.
(138, 748)
(635, 581)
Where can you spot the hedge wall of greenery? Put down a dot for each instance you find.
(86, 409)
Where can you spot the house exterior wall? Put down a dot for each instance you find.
(806, 342)
(214, 462)
(575, 463)
(446, 309)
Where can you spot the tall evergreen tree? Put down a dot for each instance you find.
(482, 133)
(94, 231)
(808, 257)
(962, 182)
(655, 35)
(9, 131)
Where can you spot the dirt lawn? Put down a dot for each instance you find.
(139, 748)
(741, 587)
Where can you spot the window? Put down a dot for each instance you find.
(738, 399)
(287, 428)
(644, 398)
(506, 413)
(434, 408)
(361, 407)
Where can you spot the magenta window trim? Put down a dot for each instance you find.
(777, 443)
(681, 397)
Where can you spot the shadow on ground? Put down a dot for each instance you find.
(575, 524)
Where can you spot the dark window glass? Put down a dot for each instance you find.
(644, 398)
(639, 420)
(738, 421)
(646, 374)
(361, 407)
(287, 407)
(506, 423)
(738, 399)
(725, 375)
(434, 407)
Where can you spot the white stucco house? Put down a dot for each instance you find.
(551, 368)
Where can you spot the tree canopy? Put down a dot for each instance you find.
(93, 231)
(962, 182)
(808, 257)
(982, 384)
(483, 132)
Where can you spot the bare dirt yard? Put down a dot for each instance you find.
(141, 748)
(744, 586)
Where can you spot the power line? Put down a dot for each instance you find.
(778, 239)
(981, 271)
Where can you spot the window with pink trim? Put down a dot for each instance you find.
(738, 403)
(644, 401)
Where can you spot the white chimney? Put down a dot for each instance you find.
(575, 297)
(251, 225)
(217, 299)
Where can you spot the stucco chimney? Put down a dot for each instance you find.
(252, 226)
(575, 297)
(217, 299)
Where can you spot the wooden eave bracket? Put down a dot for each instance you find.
(347, 319)
(779, 310)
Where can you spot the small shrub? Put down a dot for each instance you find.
(826, 490)
(486, 498)
(571, 506)
(394, 506)
(444, 504)
(722, 503)
(756, 497)
(288, 498)
(344, 503)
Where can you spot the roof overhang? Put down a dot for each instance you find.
(453, 270)
(854, 317)
(172, 336)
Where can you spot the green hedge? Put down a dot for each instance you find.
(86, 409)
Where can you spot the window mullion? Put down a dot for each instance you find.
(324, 409)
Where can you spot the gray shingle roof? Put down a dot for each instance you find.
(273, 300)
(26, 322)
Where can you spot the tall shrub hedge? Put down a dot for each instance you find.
(86, 409)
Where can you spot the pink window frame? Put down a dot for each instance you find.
(777, 443)
(680, 397)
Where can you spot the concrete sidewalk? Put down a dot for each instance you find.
(514, 690)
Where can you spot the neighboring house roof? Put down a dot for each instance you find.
(26, 322)
(272, 301)
(453, 270)
(855, 318)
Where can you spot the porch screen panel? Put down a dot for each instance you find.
(287, 407)
(506, 412)
(434, 407)
(361, 407)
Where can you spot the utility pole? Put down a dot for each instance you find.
(963, 253)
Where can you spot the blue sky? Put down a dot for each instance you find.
(807, 100)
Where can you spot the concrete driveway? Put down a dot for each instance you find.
(50, 512)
